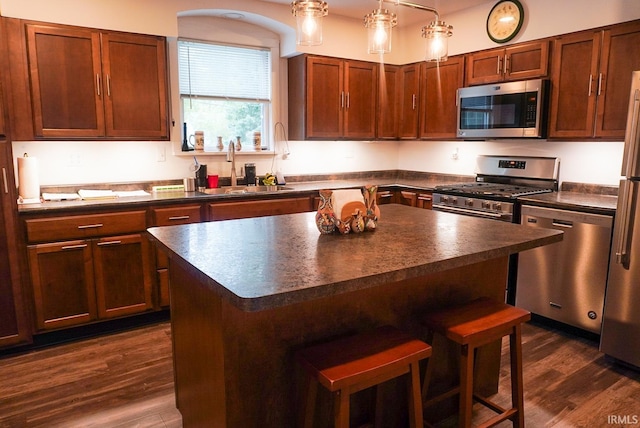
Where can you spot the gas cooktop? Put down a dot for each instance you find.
(503, 190)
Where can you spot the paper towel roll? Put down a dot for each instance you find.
(28, 184)
(340, 198)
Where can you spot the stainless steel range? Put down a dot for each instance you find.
(500, 180)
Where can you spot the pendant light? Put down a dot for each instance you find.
(380, 22)
(309, 16)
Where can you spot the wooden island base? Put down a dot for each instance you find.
(235, 368)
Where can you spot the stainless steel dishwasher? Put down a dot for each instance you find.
(566, 281)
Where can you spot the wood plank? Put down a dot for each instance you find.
(126, 379)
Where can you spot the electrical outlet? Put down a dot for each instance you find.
(162, 154)
(74, 160)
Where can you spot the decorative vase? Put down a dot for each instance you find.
(238, 144)
(220, 145)
(325, 217)
(372, 215)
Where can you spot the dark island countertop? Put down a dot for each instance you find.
(268, 262)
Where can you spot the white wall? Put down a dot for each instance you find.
(88, 162)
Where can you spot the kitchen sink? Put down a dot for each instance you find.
(227, 190)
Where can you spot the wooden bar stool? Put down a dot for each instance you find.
(348, 365)
(473, 325)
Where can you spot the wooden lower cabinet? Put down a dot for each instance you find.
(122, 273)
(246, 209)
(88, 276)
(420, 199)
(63, 286)
(169, 216)
(77, 282)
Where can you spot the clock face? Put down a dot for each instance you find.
(505, 20)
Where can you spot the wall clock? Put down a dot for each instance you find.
(505, 20)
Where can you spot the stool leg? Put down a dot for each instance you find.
(517, 398)
(428, 371)
(309, 405)
(466, 385)
(341, 409)
(415, 397)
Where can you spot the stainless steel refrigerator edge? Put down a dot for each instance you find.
(621, 325)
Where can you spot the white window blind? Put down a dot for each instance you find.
(224, 72)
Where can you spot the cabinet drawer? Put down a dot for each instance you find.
(177, 215)
(84, 226)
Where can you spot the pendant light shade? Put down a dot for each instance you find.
(437, 34)
(379, 24)
(309, 16)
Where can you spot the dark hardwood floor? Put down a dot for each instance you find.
(125, 380)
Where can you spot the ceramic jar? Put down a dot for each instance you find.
(325, 217)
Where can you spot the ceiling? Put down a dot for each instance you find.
(406, 15)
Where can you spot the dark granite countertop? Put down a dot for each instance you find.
(268, 262)
(420, 181)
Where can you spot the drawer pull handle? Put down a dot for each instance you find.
(109, 243)
(179, 217)
(74, 247)
(90, 226)
(4, 178)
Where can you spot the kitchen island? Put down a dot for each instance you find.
(245, 294)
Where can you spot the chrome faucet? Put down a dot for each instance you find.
(231, 157)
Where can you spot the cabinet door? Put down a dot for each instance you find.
(438, 112)
(485, 67)
(134, 70)
(122, 275)
(361, 98)
(62, 280)
(389, 94)
(518, 62)
(526, 61)
(13, 323)
(574, 85)
(64, 70)
(325, 97)
(619, 57)
(409, 91)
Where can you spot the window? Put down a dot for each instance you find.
(225, 91)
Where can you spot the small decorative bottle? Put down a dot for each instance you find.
(257, 141)
(238, 144)
(373, 211)
(220, 145)
(325, 217)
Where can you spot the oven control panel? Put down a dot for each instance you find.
(478, 207)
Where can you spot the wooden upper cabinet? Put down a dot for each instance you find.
(91, 84)
(619, 57)
(331, 98)
(134, 71)
(408, 112)
(389, 88)
(361, 99)
(438, 111)
(573, 98)
(591, 79)
(518, 62)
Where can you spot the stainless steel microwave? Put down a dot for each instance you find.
(503, 110)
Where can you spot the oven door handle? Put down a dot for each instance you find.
(456, 210)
